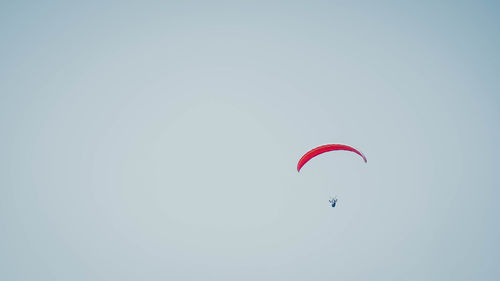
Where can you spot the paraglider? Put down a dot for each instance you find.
(333, 201)
(326, 148)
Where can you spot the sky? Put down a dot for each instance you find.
(158, 140)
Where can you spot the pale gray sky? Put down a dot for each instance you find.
(159, 140)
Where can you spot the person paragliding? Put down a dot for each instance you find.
(327, 148)
(333, 201)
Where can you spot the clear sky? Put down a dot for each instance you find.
(157, 140)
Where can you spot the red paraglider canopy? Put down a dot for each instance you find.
(325, 148)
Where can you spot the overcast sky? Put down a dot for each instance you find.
(159, 140)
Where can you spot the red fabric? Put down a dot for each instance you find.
(325, 148)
